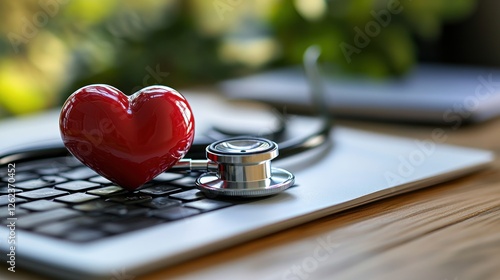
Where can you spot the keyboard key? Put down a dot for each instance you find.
(6, 190)
(5, 212)
(130, 198)
(190, 195)
(56, 229)
(175, 213)
(29, 166)
(42, 193)
(33, 184)
(162, 202)
(51, 170)
(187, 182)
(5, 199)
(74, 186)
(70, 161)
(208, 204)
(20, 177)
(167, 177)
(88, 221)
(53, 179)
(160, 190)
(100, 180)
(107, 191)
(42, 205)
(69, 230)
(147, 185)
(76, 198)
(39, 218)
(126, 210)
(129, 224)
(94, 205)
(79, 173)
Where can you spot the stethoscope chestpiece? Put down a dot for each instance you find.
(244, 169)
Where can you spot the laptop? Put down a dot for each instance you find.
(430, 93)
(73, 224)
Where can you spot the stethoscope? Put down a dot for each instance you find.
(239, 167)
(235, 166)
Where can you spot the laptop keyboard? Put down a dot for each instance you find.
(61, 198)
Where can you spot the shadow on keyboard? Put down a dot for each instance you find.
(61, 198)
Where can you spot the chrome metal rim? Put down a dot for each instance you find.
(212, 185)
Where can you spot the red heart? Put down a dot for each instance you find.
(128, 140)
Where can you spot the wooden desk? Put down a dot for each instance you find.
(447, 232)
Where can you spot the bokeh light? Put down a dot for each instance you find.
(51, 47)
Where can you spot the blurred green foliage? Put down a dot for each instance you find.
(49, 48)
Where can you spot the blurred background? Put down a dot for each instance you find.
(49, 48)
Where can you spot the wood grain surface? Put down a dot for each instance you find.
(450, 231)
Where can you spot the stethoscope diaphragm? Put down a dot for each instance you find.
(244, 169)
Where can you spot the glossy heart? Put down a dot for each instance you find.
(127, 139)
